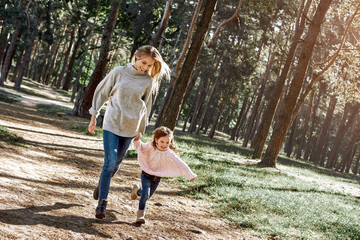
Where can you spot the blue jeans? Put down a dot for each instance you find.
(115, 148)
(149, 184)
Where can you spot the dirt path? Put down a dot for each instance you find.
(46, 187)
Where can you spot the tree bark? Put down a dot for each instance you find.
(3, 43)
(286, 113)
(82, 106)
(272, 106)
(241, 116)
(163, 24)
(255, 110)
(289, 146)
(191, 58)
(205, 111)
(223, 23)
(195, 118)
(320, 141)
(175, 75)
(305, 127)
(343, 128)
(356, 167)
(65, 62)
(9, 56)
(26, 61)
(67, 82)
(216, 120)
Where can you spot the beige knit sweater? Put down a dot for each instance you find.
(128, 93)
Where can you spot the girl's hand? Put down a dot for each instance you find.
(92, 125)
(193, 179)
(138, 136)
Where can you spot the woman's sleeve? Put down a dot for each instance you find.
(102, 93)
(148, 102)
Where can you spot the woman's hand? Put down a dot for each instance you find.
(193, 179)
(92, 125)
(138, 136)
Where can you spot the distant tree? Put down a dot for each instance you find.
(177, 98)
(286, 114)
(83, 103)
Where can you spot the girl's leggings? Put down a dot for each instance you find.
(149, 184)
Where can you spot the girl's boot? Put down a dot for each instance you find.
(101, 209)
(140, 216)
(134, 191)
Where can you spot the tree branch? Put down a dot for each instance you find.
(188, 40)
(330, 61)
(223, 23)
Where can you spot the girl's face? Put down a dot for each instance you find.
(162, 143)
(142, 64)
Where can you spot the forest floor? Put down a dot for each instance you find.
(46, 184)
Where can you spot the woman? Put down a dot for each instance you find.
(129, 92)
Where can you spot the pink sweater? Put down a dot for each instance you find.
(161, 163)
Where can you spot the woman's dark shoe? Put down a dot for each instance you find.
(101, 209)
(96, 193)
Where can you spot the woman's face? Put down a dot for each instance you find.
(142, 64)
(162, 143)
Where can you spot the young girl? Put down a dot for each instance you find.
(129, 92)
(157, 159)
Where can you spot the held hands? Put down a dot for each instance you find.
(92, 125)
(138, 136)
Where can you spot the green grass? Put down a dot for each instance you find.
(83, 128)
(9, 97)
(9, 137)
(298, 201)
(52, 110)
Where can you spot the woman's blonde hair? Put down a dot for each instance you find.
(162, 132)
(158, 70)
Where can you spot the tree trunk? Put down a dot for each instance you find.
(55, 54)
(3, 43)
(311, 139)
(285, 116)
(269, 114)
(175, 74)
(188, 90)
(195, 118)
(26, 61)
(205, 111)
(320, 141)
(255, 110)
(67, 82)
(163, 24)
(78, 76)
(356, 167)
(65, 63)
(289, 146)
(216, 120)
(191, 58)
(190, 111)
(18, 64)
(241, 115)
(343, 128)
(82, 106)
(9, 55)
(305, 127)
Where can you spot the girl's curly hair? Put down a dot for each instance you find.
(162, 132)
